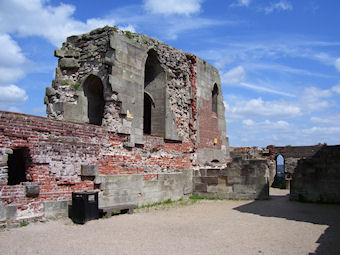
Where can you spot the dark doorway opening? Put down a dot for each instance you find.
(94, 91)
(18, 163)
(147, 114)
(214, 95)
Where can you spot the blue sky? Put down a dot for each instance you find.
(279, 60)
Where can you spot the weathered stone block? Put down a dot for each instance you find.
(68, 63)
(11, 212)
(89, 170)
(222, 189)
(203, 172)
(50, 91)
(241, 188)
(209, 180)
(56, 208)
(213, 172)
(200, 187)
(2, 212)
(235, 180)
(32, 190)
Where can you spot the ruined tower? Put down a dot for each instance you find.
(135, 85)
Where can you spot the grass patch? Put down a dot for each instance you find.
(164, 205)
(169, 201)
(66, 82)
(23, 223)
(200, 197)
(116, 212)
(129, 34)
(76, 86)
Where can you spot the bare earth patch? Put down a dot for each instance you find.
(276, 226)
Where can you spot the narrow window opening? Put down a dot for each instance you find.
(147, 113)
(214, 95)
(18, 163)
(93, 89)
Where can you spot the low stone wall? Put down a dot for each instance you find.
(143, 189)
(242, 179)
(317, 178)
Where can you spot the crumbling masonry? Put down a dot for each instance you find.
(130, 117)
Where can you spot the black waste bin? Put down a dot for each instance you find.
(84, 206)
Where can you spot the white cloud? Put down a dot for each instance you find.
(168, 7)
(248, 122)
(278, 6)
(167, 27)
(266, 125)
(34, 17)
(312, 99)
(10, 52)
(322, 130)
(11, 60)
(234, 76)
(331, 120)
(336, 88)
(257, 107)
(245, 3)
(337, 64)
(12, 94)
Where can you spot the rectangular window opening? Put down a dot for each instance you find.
(18, 163)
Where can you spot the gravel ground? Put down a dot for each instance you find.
(276, 226)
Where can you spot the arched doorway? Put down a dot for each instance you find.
(94, 90)
(279, 179)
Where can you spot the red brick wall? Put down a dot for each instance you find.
(58, 149)
(208, 126)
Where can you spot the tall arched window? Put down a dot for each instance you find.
(93, 90)
(154, 98)
(214, 95)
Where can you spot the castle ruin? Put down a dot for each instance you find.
(128, 116)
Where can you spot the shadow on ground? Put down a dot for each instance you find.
(325, 214)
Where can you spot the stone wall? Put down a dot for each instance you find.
(130, 68)
(317, 178)
(69, 156)
(241, 179)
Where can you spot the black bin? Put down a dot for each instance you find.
(84, 206)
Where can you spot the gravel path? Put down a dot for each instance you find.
(276, 226)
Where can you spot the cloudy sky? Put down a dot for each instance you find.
(279, 60)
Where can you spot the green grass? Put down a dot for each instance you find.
(200, 197)
(129, 34)
(23, 223)
(164, 205)
(66, 82)
(76, 86)
(169, 201)
(116, 212)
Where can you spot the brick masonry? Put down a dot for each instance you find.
(59, 149)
